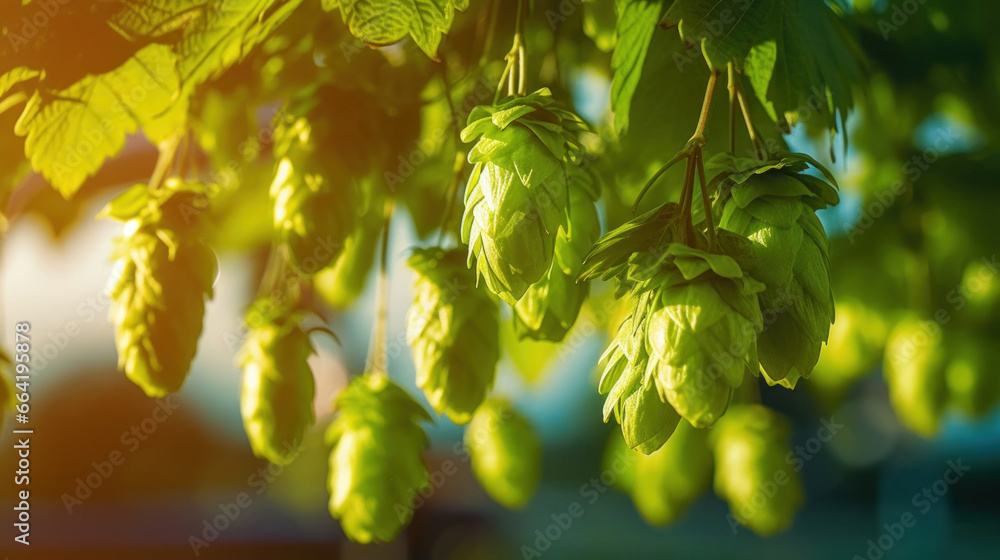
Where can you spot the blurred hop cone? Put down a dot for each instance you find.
(453, 330)
(915, 361)
(163, 273)
(516, 199)
(313, 216)
(276, 398)
(763, 490)
(973, 383)
(664, 484)
(773, 204)
(341, 283)
(505, 453)
(376, 464)
(550, 306)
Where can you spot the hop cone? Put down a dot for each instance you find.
(341, 283)
(163, 273)
(550, 306)
(914, 369)
(973, 385)
(453, 330)
(276, 398)
(701, 327)
(505, 452)
(376, 465)
(516, 198)
(763, 490)
(312, 191)
(773, 205)
(669, 480)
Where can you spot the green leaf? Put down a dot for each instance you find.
(384, 22)
(636, 24)
(794, 52)
(69, 134)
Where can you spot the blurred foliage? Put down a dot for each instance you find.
(366, 111)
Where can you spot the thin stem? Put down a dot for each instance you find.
(652, 180)
(165, 161)
(732, 108)
(704, 197)
(378, 359)
(758, 151)
(686, 203)
(699, 131)
(490, 32)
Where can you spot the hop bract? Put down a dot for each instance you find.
(276, 398)
(550, 306)
(915, 362)
(750, 444)
(163, 273)
(505, 453)
(376, 464)
(646, 420)
(773, 204)
(517, 196)
(453, 330)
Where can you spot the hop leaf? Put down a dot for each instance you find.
(750, 444)
(376, 464)
(772, 204)
(549, 307)
(666, 482)
(453, 330)
(341, 283)
(915, 362)
(276, 398)
(163, 273)
(517, 196)
(505, 453)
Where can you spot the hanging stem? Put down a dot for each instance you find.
(515, 73)
(704, 197)
(732, 108)
(751, 130)
(378, 359)
(165, 161)
(699, 131)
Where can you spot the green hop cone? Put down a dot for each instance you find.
(517, 196)
(669, 480)
(646, 420)
(341, 283)
(915, 362)
(973, 385)
(453, 329)
(376, 464)
(313, 189)
(163, 273)
(505, 453)
(773, 204)
(550, 306)
(750, 444)
(276, 398)
(313, 212)
(701, 330)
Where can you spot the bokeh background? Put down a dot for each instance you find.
(928, 117)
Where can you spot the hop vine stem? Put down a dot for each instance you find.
(378, 359)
